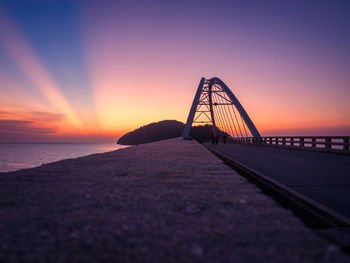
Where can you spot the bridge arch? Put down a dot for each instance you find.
(215, 104)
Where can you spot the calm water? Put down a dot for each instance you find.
(17, 156)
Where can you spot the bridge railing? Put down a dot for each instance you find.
(318, 143)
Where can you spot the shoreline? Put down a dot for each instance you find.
(14, 157)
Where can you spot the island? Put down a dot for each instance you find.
(164, 130)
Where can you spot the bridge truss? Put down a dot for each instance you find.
(215, 104)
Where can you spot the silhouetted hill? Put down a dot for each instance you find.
(153, 132)
(163, 130)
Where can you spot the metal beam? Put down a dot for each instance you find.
(206, 86)
(211, 111)
(187, 129)
(238, 105)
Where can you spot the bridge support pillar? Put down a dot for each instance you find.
(187, 129)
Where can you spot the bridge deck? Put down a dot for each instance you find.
(323, 177)
(170, 201)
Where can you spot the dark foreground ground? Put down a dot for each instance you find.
(169, 201)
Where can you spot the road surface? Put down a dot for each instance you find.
(324, 177)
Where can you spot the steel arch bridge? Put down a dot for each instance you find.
(216, 105)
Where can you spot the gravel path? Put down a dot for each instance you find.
(169, 201)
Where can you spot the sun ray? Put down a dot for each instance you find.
(24, 56)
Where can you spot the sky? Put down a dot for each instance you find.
(90, 71)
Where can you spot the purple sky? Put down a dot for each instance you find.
(92, 70)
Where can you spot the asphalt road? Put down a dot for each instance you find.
(323, 177)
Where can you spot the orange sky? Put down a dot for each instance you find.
(108, 71)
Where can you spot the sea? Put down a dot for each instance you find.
(15, 156)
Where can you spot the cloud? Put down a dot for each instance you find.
(23, 127)
(47, 116)
(29, 124)
(42, 127)
(41, 116)
(28, 61)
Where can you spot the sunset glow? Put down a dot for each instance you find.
(92, 70)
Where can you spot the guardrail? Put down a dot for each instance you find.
(318, 143)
